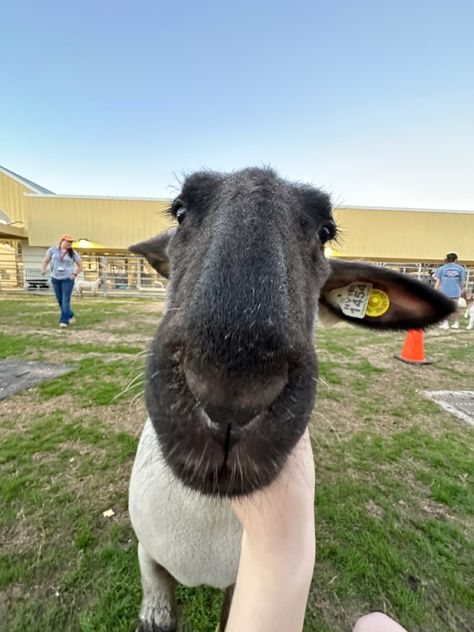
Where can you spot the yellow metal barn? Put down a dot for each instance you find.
(32, 218)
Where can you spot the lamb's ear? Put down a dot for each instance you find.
(155, 251)
(376, 297)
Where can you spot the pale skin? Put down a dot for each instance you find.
(278, 550)
(63, 246)
(278, 554)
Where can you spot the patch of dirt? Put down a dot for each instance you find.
(129, 418)
(336, 419)
(435, 509)
(94, 336)
(151, 306)
(374, 510)
(21, 536)
(83, 336)
(22, 408)
(11, 594)
(19, 411)
(33, 331)
(443, 334)
(128, 324)
(378, 355)
(338, 614)
(50, 355)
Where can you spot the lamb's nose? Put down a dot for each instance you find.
(235, 398)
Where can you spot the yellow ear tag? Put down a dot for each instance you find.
(378, 304)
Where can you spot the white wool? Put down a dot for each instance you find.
(195, 537)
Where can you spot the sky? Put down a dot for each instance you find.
(371, 100)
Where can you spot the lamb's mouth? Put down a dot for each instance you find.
(225, 459)
(228, 469)
(229, 434)
(229, 460)
(224, 454)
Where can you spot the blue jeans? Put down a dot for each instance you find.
(63, 290)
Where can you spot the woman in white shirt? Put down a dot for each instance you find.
(65, 265)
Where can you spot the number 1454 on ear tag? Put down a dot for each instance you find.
(352, 299)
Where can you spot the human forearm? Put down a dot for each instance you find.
(271, 590)
(278, 550)
(44, 264)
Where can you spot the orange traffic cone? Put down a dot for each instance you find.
(413, 351)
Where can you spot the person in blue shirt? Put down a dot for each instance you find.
(450, 279)
(65, 266)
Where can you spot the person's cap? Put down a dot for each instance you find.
(67, 238)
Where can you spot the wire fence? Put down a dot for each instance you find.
(127, 275)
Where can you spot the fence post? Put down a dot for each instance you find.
(139, 273)
(103, 267)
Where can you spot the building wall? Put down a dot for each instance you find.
(12, 200)
(32, 256)
(380, 234)
(376, 234)
(110, 223)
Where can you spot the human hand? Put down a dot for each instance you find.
(285, 509)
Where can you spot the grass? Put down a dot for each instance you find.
(394, 501)
(57, 479)
(11, 345)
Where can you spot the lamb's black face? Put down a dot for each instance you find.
(232, 372)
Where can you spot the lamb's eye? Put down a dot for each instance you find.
(327, 232)
(178, 210)
(181, 214)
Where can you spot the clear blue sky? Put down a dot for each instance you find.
(371, 99)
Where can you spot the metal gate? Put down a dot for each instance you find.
(118, 274)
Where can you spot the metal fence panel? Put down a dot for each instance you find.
(11, 269)
(126, 275)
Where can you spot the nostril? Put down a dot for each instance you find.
(236, 418)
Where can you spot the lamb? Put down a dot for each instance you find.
(80, 285)
(231, 375)
(470, 312)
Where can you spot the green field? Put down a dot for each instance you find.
(394, 501)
